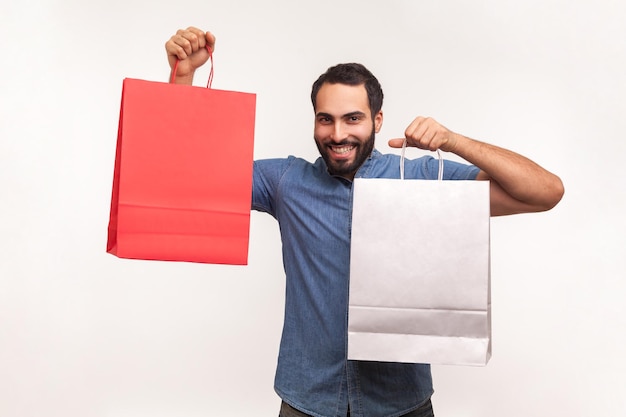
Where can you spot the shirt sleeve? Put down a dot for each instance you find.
(266, 177)
(452, 170)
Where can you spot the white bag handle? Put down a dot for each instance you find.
(439, 174)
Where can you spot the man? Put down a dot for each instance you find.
(313, 205)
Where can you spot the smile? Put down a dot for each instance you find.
(342, 149)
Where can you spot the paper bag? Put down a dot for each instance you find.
(420, 272)
(182, 184)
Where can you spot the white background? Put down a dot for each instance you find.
(83, 333)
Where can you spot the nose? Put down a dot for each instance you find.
(339, 132)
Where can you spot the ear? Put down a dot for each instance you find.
(378, 121)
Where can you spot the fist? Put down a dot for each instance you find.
(191, 47)
(427, 133)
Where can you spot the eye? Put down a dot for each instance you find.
(324, 120)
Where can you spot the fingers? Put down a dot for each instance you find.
(185, 42)
(427, 133)
(419, 133)
(210, 41)
(188, 41)
(395, 143)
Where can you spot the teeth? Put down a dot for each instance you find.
(342, 149)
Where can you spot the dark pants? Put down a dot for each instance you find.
(425, 410)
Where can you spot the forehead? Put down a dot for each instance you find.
(339, 99)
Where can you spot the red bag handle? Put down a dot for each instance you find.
(208, 84)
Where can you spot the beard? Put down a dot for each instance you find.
(347, 168)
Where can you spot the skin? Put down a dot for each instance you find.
(189, 46)
(517, 184)
(345, 128)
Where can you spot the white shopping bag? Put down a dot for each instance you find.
(420, 271)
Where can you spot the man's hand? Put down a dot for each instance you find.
(518, 185)
(189, 46)
(427, 133)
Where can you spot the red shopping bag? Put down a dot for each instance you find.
(182, 184)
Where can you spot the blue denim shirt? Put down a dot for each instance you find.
(314, 211)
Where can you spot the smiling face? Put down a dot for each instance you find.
(344, 127)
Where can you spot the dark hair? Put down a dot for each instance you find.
(351, 74)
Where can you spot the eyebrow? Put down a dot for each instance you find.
(347, 115)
